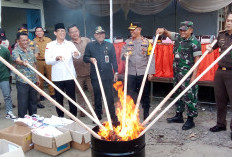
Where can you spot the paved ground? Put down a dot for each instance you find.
(162, 140)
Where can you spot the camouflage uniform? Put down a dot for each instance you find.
(184, 52)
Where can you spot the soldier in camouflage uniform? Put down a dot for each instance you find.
(187, 50)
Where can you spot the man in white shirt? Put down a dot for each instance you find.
(57, 52)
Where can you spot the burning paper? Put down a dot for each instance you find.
(132, 127)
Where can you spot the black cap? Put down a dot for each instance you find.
(2, 34)
(134, 25)
(99, 29)
(59, 26)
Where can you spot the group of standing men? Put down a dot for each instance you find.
(80, 54)
(187, 51)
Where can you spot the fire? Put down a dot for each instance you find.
(132, 127)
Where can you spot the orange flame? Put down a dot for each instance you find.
(132, 127)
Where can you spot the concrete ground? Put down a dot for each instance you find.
(162, 140)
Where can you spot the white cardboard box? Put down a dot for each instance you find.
(52, 145)
(80, 136)
(9, 149)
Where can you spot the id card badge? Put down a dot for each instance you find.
(107, 59)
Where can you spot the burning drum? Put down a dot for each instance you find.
(131, 148)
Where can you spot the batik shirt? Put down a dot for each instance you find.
(30, 57)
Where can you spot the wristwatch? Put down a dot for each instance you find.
(116, 73)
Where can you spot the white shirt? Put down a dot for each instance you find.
(66, 49)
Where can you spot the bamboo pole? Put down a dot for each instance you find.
(103, 96)
(186, 89)
(125, 92)
(82, 92)
(145, 75)
(66, 96)
(48, 97)
(177, 86)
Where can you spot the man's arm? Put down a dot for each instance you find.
(50, 58)
(114, 63)
(210, 48)
(75, 53)
(196, 46)
(194, 75)
(16, 57)
(163, 31)
(87, 55)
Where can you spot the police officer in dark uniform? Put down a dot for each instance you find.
(103, 53)
(223, 77)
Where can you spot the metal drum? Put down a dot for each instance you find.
(102, 148)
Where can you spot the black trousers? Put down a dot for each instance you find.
(27, 99)
(67, 86)
(108, 88)
(134, 84)
(223, 95)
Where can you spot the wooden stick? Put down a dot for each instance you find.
(145, 75)
(66, 96)
(177, 86)
(125, 92)
(186, 89)
(48, 97)
(103, 96)
(82, 92)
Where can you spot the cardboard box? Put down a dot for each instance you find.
(52, 145)
(9, 149)
(19, 135)
(80, 136)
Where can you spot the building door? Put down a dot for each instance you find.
(33, 20)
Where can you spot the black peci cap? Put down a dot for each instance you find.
(59, 26)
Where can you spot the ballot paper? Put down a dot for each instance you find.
(57, 121)
(48, 131)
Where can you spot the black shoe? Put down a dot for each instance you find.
(145, 113)
(189, 124)
(178, 118)
(39, 105)
(42, 98)
(217, 128)
(13, 106)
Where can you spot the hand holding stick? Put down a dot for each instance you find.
(66, 96)
(176, 87)
(48, 97)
